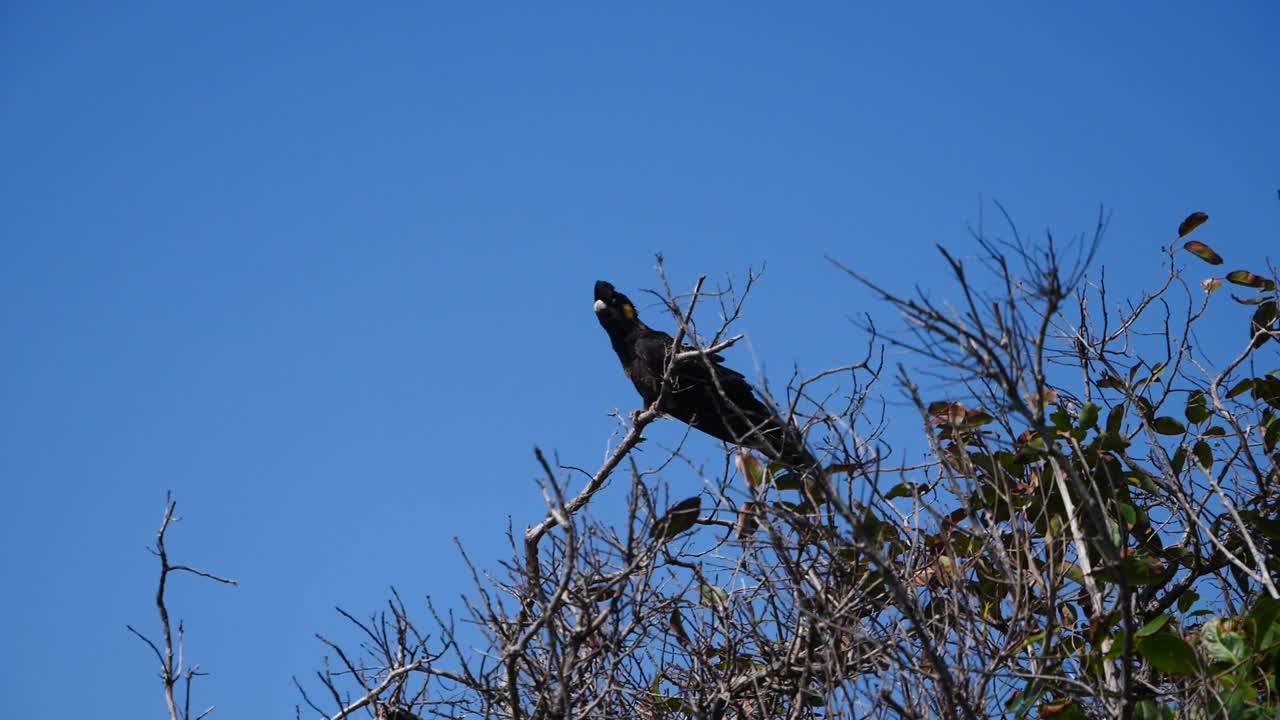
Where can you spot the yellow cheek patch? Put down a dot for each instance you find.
(629, 311)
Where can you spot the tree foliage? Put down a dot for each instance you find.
(1088, 530)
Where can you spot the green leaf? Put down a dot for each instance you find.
(1204, 454)
(1088, 416)
(1166, 425)
(1112, 441)
(1111, 382)
(1152, 627)
(1179, 459)
(1142, 480)
(1222, 644)
(1247, 279)
(1061, 418)
(1241, 388)
(1187, 600)
(1262, 323)
(1148, 710)
(1127, 512)
(1197, 410)
(1169, 653)
(1263, 524)
(1215, 431)
(1115, 419)
(1202, 251)
(713, 596)
(905, 489)
(1193, 221)
(1072, 572)
(789, 481)
(1062, 710)
(1267, 390)
(1263, 615)
(678, 518)
(1135, 569)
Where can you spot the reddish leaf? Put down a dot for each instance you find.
(1202, 251)
(1248, 279)
(747, 521)
(677, 628)
(751, 470)
(1193, 221)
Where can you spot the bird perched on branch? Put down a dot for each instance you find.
(701, 391)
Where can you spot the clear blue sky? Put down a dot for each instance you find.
(325, 270)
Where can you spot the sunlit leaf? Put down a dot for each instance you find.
(1088, 416)
(1223, 644)
(1247, 279)
(1193, 221)
(977, 418)
(678, 518)
(1063, 710)
(1166, 425)
(1202, 251)
(1142, 480)
(751, 469)
(1211, 285)
(1152, 627)
(1169, 653)
(1127, 512)
(713, 596)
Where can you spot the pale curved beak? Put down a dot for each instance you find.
(599, 306)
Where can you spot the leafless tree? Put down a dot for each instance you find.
(176, 673)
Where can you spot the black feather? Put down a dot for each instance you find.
(704, 393)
